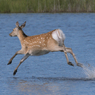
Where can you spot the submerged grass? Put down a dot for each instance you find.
(19, 6)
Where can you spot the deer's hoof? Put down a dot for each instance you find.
(15, 71)
(70, 63)
(80, 65)
(9, 62)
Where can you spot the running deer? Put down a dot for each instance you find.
(40, 44)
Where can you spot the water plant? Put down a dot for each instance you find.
(19, 6)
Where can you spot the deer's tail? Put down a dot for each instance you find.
(59, 36)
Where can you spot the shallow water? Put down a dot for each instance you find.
(49, 74)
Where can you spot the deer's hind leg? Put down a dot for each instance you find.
(69, 50)
(65, 52)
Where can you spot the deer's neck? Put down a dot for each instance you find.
(21, 35)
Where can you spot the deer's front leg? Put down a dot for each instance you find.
(18, 52)
(23, 59)
(10, 61)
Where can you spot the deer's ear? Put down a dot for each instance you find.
(23, 25)
(17, 24)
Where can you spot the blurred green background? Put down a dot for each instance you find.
(34, 6)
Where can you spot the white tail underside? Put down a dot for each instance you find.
(59, 36)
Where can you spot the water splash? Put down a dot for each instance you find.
(89, 72)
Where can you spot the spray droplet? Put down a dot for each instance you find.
(89, 72)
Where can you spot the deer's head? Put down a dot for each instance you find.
(15, 31)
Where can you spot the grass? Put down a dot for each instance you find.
(25, 6)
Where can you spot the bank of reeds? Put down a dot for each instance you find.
(24, 6)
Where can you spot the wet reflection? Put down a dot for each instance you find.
(37, 86)
(45, 86)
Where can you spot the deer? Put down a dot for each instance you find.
(37, 45)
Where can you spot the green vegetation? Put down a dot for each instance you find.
(24, 6)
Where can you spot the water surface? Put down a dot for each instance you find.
(48, 74)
